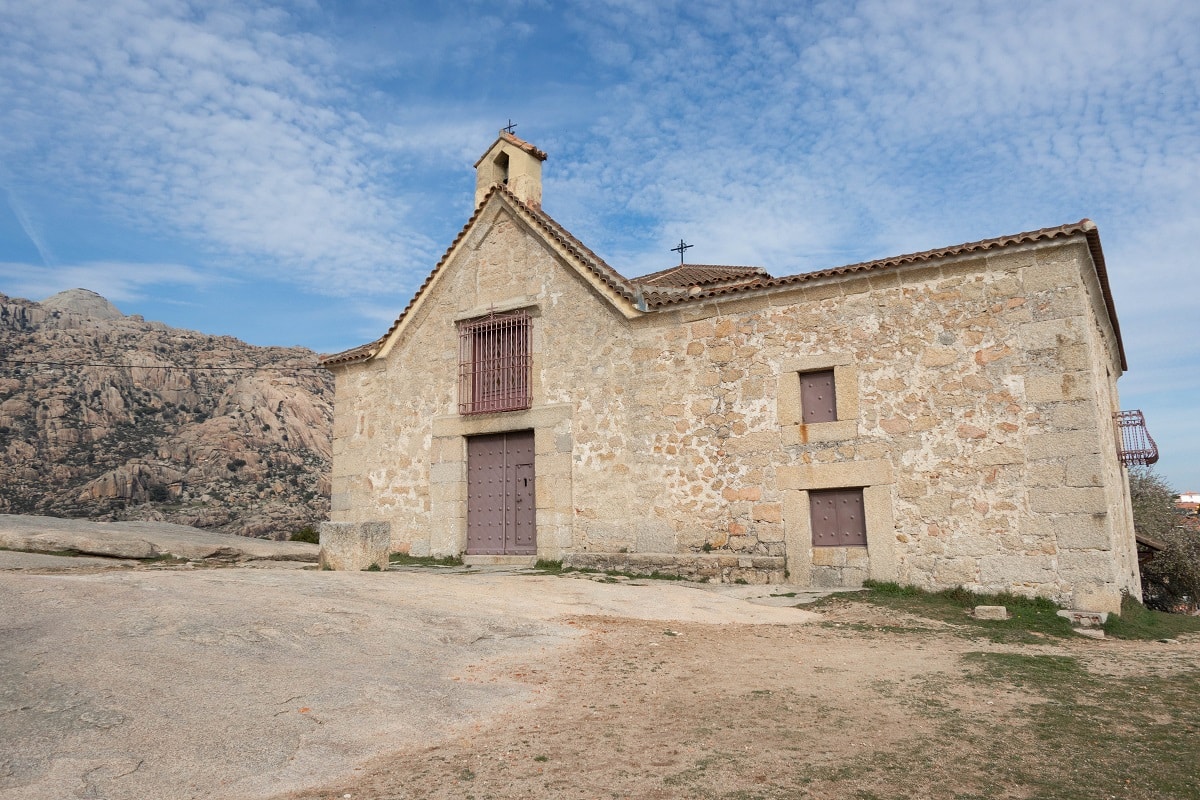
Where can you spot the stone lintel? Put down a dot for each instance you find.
(834, 476)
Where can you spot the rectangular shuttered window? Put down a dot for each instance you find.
(494, 364)
(818, 401)
(838, 518)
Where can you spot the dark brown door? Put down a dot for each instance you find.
(500, 494)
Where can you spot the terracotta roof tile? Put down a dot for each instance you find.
(540, 155)
(699, 282)
(689, 275)
(1085, 227)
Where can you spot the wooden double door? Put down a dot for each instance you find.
(500, 494)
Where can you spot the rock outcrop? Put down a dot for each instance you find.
(111, 417)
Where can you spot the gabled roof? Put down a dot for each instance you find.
(689, 283)
(555, 232)
(505, 136)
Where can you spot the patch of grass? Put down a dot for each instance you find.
(1040, 671)
(405, 560)
(557, 568)
(1138, 622)
(1027, 616)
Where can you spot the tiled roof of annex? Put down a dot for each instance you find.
(670, 291)
(685, 276)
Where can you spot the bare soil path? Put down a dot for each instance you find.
(867, 703)
(187, 682)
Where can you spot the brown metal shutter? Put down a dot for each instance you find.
(501, 517)
(818, 402)
(838, 518)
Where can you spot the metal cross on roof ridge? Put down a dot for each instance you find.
(680, 249)
(510, 127)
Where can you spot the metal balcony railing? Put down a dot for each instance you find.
(1135, 445)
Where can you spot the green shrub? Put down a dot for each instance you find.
(307, 534)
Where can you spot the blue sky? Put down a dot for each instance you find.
(288, 173)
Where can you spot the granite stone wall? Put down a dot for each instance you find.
(974, 399)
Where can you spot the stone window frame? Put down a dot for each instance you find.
(789, 413)
(553, 444)
(876, 479)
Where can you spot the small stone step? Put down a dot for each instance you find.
(499, 561)
(1091, 633)
(1084, 619)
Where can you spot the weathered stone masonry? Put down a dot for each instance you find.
(975, 391)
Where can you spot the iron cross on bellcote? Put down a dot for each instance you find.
(680, 249)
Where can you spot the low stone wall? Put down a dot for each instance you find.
(703, 567)
(355, 545)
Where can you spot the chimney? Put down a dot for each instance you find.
(514, 163)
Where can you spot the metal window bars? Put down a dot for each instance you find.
(494, 363)
(1135, 445)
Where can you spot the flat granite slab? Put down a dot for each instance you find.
(142, 540)
(44, 562)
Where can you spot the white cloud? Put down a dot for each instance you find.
(223, 125)
(117, 281)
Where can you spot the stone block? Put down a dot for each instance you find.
(955, 571)
(1084, 619)
(1074, 415)
(826, 577)
(355, 546)
(1047, 474)
(857, 557)
(1096, 596)
(1090, 565)
(1047, 276)
(1085, 470)
(934, 506)
(991, 612)
(1058, 445)
(1081, 532)
(655, 539)
(1057, 387)
(1091, 633)
(829, 556)
(1005, 570)
(998, 456)
(447, 472)
(1050, 333)
(1065, 500)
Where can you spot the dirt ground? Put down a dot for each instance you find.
(867, 703)
(186, 682)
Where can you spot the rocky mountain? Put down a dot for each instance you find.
(111, 417)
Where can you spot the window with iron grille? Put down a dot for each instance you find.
(838, 518)
(494, 363)
(818, 400)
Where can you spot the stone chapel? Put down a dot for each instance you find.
(940, 419)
